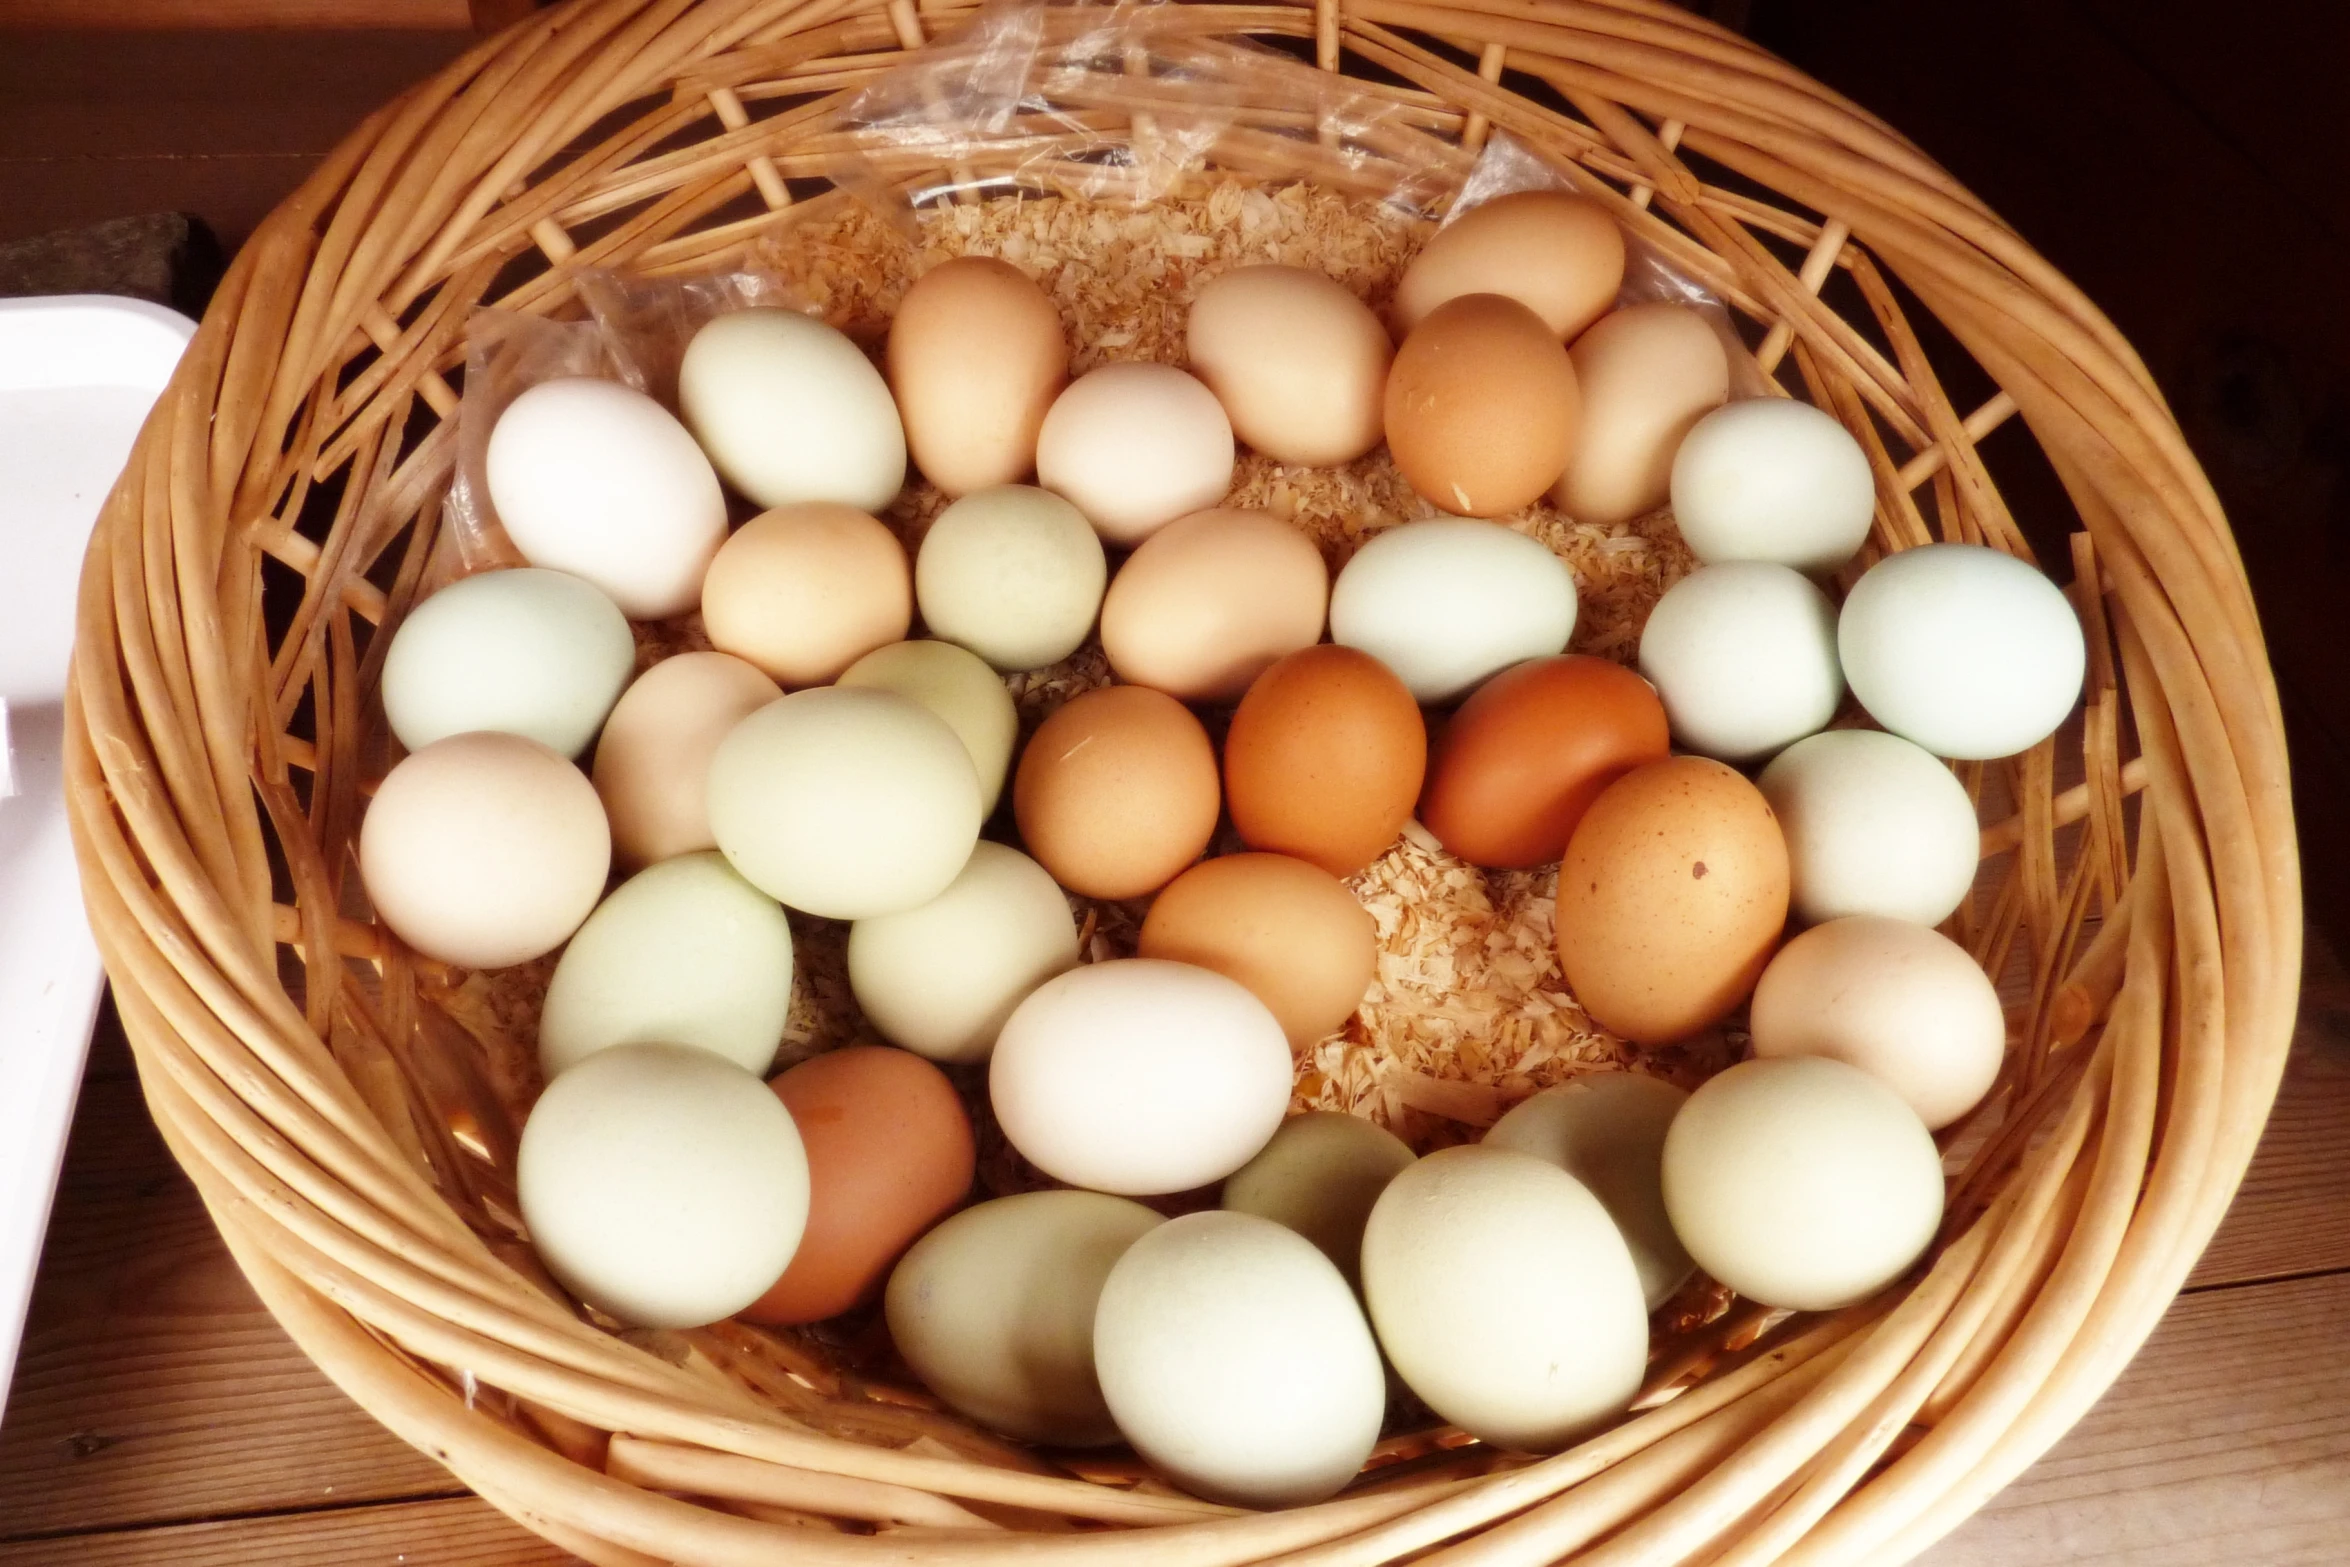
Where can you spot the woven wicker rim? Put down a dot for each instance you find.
(2164, 953)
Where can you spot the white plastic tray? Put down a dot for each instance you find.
(77, 376)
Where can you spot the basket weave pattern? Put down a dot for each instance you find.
(328, 1115)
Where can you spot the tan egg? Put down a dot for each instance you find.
(1297, 361)
(1647, 373)
(976, 356)
(1116, 792)
(1671, 897)
(653, 763)
(1291, 933)
(1211, 600)
(1562, 256)
(1482, 406)
(1324, 758)
(805, 591)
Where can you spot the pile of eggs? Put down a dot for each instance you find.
(1244, 1349)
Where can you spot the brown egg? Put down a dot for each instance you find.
(1289, 932)
(653, 760)
(1116, 792)
(890, 1153)
(1560, 255)
(976, 356)
(1531, 749)
(1210, 600)
(1297, 361)
(1647, 373)
(806, 590)
(1324, 758)
(1482, 406)
(1671, 898)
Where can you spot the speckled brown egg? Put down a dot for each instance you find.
(1482, 406)
(1116, 792)
(1672, 896)
(1324, 758)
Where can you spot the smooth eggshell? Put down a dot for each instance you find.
(976, 356)
(1289, 931)
(994, 1310)
(1324, 758)
(1212, 599)
(1448, 601)
(1607, 1130)
(1744, 656)
(1116, 792)
(536, 653)
(1647, 373)
(1874, 825)
(1482, 406)
(1560, 255)
(1320, 1176)
(960, 688)
(1135, 446)
(791, 411)
(484, 850)
(1013, 573)
(1672, 896)
(652, 767)
(890, 1153)
(1298, 362)
(1772, 479)
(805, 591)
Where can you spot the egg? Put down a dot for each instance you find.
(652, 767)
(994, 1311)
(1137, 1076)
(791, 411)
(1482, 407)
(806, 590)
(662, 1185)
(683, 953)
(1744, 656)
(845, 803)
(1874, 825)
(1607, 1130)
(1772, 479)
(1504, 1297)
(1905, 1004)
(976, 356)
(1135, 446)
(1647, 373)
(484, 850)
(1671, 898)
(1116, 792)
(1324, 758)
(941, 978)
(1965, 650)
(530, 652)
(1449, 601)
(1560, 255)
(1013, 573)
(1298, 362)
(890, 1153)
(1802, 1183)
(958, 686)
(1234, 1357)
(1212, 599)
(1530, 750)
(1320, 1176)
(1289, 931)
(592, 478)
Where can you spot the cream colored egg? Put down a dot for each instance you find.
(685, 953)
(1448, 601)
(532, 652)
(1135, 446)
(653, 762)
(1744, 656)
(662, 1184)
(1504, 1297)
(1299, 363)
(791, 411)
(1013, 573)
(804, 591)
(1234, 1357)
(994, 1310)
(941, 978)
(976, 356)
(957, 685)
(1648, 373)
(1211, 600)
(1772, 479)
(1607, 1130)
(484, 850)
(1874, 825)
(1320, 1176)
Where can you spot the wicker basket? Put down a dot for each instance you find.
(301, 453)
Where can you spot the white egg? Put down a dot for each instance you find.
(662, 1185)
(1140, 1076)
(596, 479)
(940, 979)
(1234, 1357)
(790, 410)
(1775, 480)
(1446, 602)
(1802, 1182)
(1607, 1130)
(1014, 573)
(685, 952)
(845, 803)
(1905, 1004)
(957, 685)
(1966, 650)
(529, 652)
(1320, 1176)
(1874, 825)
(1504, 1297)
(1744, 657)
(1135, 446)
